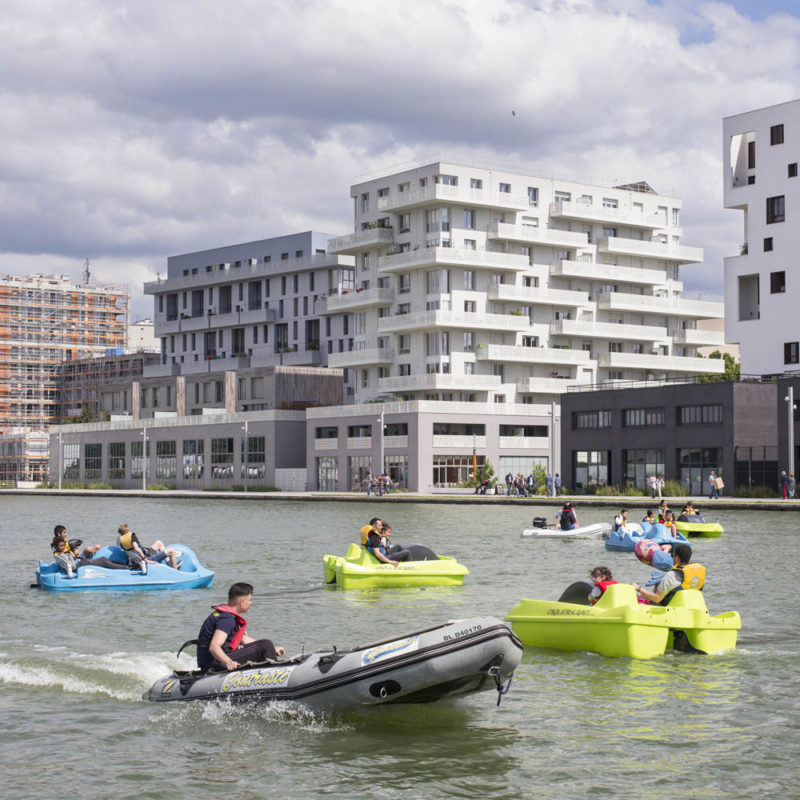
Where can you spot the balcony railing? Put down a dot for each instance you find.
(452, 319)
(658, 363)
(459, 441)
(665, 306)
(532, 355)
(536, 385)
(359, 358)
(455, 256)
(629, 217)
(533, 295)
(537, 235)
(608, 330)
(452, 194)
(698, 338)
(594, 271)
(360, 240)
(356, 298)
(667, 251)
(523, 442)
(411, 383)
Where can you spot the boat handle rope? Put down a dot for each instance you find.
(495, 673)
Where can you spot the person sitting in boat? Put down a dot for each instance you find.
(371, 541)
(669, 523)
(650, 517)
(60, 532)
(621, 521)
(662, 510)
(683, 575)
(139, 556)
(602, 579)
(566, 518)
(65, 557)
(686, 512)
(222, 642)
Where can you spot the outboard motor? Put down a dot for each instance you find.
(539, 522)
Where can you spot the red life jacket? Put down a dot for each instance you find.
(238, 632)
(603, 585)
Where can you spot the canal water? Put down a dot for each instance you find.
(73, 666)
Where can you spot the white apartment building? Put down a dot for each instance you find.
(493, 286)
(761, 151)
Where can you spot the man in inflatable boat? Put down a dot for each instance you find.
(683, 575)
(222, 643)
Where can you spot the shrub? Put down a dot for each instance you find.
(607, 491)
(754, 491)
(673, 489)
(157, 487)
(99, 486)
(632, 491)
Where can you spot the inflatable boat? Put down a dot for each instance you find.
(625, 538)
(359, 569)
(462, 656)
(618, 625)
(695, 525)
(190, 575)
(584, 532)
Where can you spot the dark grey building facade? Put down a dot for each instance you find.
(623, 435)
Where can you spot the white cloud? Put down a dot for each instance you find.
(134, 131)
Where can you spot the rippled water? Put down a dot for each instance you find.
(73, 666)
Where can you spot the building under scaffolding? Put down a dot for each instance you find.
(46, 320)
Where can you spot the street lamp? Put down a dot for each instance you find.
(553, 420)
(60, 459)
(791, 408)
(144, 457)
(246, 455)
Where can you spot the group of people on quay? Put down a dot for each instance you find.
(788, 485)
(521, 486)
(378, 485)
(68, 555)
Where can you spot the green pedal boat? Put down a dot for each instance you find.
(358, 569)
(620, 626)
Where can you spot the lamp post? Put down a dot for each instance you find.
(791, 407)
(60, 459)
(474, 457)
(380, 468)
(553, 444)
(246, 455)
(144, 457)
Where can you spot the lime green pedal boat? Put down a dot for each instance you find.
(695, 525)
(358, 569)
(620, 626)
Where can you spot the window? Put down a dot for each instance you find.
(93, 462)
(72, 464)
(792, 170)
(776, 134)
(699, 415)
(470, 244)
(326, 432)
(405, 223)
(469, 368)
(533, 196)
(447, 180)
(453, 470)
(475, 183)
(791, 353)
(469, 219)
(696, 465)
(404, 282)
(590, 468)
(642, 417)
(116, 461)
(504, 188)
(776, 209)
(562, 197)
(469, 341)
(526, 431)
(469, 279)
(166, 460)
(777, 282)
(591, 419)
(404, 370)
(609, 233)
(615, 347)
(364, 204)
(222, 458)
(327, 473)
(193, 459)
(138, 462)
(609, 202)
(383, 192)
(470, 306)
(768, 244)
(254, 458)
(404, 343)
(639, 465)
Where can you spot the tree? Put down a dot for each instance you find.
(733, 369)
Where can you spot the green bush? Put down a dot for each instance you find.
(754, 491)
(158, 487)
(632, 491)
(607, 491)
(673, 489)
(99, 486)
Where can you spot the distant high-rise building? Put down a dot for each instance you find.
(760, 175)
(45, 320)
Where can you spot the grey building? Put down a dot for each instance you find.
(682, 431)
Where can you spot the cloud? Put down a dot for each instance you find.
(132, 131)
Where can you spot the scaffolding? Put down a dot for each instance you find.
(46, 320)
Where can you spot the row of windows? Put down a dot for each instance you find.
(251, 262)
(647, 417)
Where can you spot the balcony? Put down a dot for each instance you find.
(161, 370)
(437, 192)
(523, 442)
(421, 320)
(453, 256)
(608, 272)
(664, 306)
(532, 355)
(465, 442)
(629, 217)
(352, 299)
(536, 385)
(360, 358)
(608, 330)
(417, 383)
(658, 363)
(698, 338)
(529, 234)
(326, 444)
(617, 246)
(360, 241)
(530, 295)
(359, 442)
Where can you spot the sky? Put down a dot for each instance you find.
(131, 131)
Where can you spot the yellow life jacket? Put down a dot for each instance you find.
(126, 540)
(694, 576)
(365, 532)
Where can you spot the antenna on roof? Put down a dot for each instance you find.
(86, 272)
